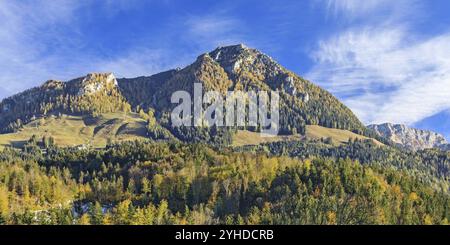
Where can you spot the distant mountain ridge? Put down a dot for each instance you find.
(411, 138)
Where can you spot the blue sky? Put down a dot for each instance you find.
(389, 61)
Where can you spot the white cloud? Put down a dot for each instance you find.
(353, 7)
(384, 75)
(372, 11)
(380, 67)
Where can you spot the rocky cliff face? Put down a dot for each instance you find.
(411, 138)
(96, 82)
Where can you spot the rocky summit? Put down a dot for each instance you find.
(411, 138)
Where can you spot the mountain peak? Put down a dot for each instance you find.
(410, 138)
(99, 78)
(230, 50)
(235, 58)
(95, 82)
(232, 53)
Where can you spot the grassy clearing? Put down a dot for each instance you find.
(244, 137)
(338, 136)
(313, 132)
(77, 130)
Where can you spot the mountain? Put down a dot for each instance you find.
(411, 138)
(241, 68)
(228, 68)
(93, 94)
(101, 150)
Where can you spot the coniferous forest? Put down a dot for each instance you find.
(153, 183)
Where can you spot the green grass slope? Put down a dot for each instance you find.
(313, 132)
(70, 130)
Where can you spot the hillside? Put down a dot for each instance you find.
(148, 183)
(313, 132)
(241, 68)
(90, 95)
(96, 132)
(337, 136)
(68, 130)
(231, 68)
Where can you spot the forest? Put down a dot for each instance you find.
(152, 183)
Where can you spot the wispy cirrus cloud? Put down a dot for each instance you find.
(371, 10)
(352, 7)
(385, 75)
(380, 67)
